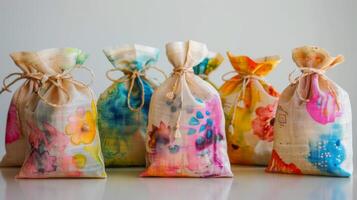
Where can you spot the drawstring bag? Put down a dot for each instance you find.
(54, 115)
(249, 105)
(124, 106)
(208, 65)
(313, 129)
(186, 136)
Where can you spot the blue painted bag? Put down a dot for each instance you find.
(123, 107)
(208, 65)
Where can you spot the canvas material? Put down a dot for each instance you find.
(249, 117)
(313, 137)
(186, 136)
(122, 130)
(60, 141)
(210, 63)
(16, 145)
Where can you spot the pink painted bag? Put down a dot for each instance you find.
(313, 124)
(186, 134)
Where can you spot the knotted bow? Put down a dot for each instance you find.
(241, 95)
(132, 75)
(178, 72)
(43, 79)
(306, 71)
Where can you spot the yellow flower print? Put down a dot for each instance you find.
(79, 160)
(81, 127)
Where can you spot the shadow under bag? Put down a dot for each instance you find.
(186, 136)
(313, 128)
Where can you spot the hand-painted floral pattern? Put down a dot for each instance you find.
(53, 130)
(81, 127)
(51, 155)
(203, 138)
(249, 118)
(12, 125)
(186, 136)
(313, 128)
(264, 122)
(45, 145)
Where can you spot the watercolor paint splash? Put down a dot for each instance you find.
(322, 106)
(328, 153)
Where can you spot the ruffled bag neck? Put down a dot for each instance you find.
(315, 57)
(185, 55)
(245, 65)
(132, 57)
(49, 61)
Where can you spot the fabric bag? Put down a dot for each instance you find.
(208, 65)
(124, 106)
(313, 129)
(52, 117)
(249, 105)
(186, 136)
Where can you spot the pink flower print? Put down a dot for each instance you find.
(47, 149)
(12, 125)
(48, 162)
(322, 106)
(36, 137)
(39, 161)
(58, 140)
(263, 124)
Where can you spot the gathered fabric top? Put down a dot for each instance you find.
(50, 72)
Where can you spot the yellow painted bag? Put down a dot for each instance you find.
(249, 105)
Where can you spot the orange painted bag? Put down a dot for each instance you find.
(249, 105)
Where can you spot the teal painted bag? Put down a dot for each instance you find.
(208, 65)
(124, 106)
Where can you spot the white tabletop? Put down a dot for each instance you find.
(248, 183)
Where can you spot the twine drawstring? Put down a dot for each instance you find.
(306, 71)
(239, 100)
(132, 76)
(245, 78)
(42, 79)
(179, 73)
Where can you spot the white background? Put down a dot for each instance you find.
(255, 28)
